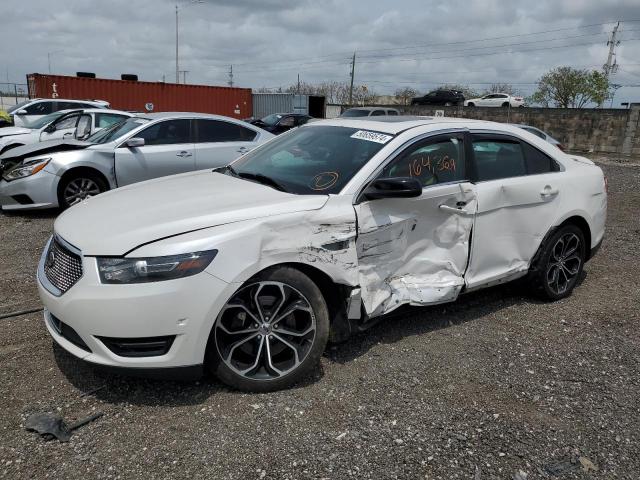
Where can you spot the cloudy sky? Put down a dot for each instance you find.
(415, 43)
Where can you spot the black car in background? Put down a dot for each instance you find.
(277, 123)
(440, 97)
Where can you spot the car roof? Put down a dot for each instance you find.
(398, 124)
(159, 115)
(370, 109)
(95, 110)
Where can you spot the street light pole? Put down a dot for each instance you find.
(177, 67)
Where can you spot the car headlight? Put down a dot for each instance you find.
(153, 269)
(26, 168)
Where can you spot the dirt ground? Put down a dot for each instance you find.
(495, 386)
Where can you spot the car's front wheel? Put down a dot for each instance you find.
(560, 263)
(270, 333)
(76, 187)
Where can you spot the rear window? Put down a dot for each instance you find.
(355, 112)
(537, 161)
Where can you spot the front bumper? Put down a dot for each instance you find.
(185, 309)
(41, 189)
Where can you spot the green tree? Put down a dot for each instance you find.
(405, 94)
(567, 87)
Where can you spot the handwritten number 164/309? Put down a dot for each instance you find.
(445, 163)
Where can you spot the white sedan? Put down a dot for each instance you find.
(495, 100)
(65, 124)
(245, 271)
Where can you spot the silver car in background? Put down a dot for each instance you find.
(65, 124)
(63, 173)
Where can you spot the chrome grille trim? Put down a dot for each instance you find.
(66, 269)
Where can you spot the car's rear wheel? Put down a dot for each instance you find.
(270, 333)
(471, 104)
(447, 104)
(560, 263)
(75, 188)
(505, 104)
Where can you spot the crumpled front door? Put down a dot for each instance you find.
(414, 250)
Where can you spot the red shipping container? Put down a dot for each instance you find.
(145, 96)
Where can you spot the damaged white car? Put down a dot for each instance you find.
(247, 271)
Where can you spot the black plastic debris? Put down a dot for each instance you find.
(51, 426)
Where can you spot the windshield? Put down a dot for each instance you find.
(116, 130)
(271, 119)
(18, 106)
(355, 112)
(312, 160)
(46, 120)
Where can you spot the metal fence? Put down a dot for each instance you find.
(12, 93)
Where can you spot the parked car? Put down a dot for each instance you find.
(64, 172)
(369, 112)
(248, 269)
(33, 109)
(79, 124)
(496, 100)
(440, 97)
(278, 123)
(541, 134)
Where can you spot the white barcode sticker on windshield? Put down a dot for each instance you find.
(372, 136)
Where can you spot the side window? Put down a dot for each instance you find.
(392, 112)
(377, 113)
(84, 127)
(302, 120)
(40, 108)
(537, 161)
(536, 132)
(167, 133)
(498, 158)
(67, 122)
(287, 122)
(432, 161)
(220, 131)
(104, 120)
(68, 106)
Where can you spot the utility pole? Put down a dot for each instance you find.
(611, 66)
(353, 68)
(49, 61)
(177, 68)
(230, 82)
(184, 75)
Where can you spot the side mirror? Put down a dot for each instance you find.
(395, 187)
(21, 112)
(134, 142)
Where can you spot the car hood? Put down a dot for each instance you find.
(116, 222)
(44, 147)
(7, 131)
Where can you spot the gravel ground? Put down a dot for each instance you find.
(497, 385)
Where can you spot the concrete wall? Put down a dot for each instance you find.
(611, 131)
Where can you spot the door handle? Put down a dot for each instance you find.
(68, 134)
(242, 150)
(548, 191)
(459, 211)
(183, 154)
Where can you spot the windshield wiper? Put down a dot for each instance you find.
(260, 178)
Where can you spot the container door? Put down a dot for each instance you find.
(169, 149)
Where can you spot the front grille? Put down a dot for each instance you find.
(68, 333)
(62, 267)
(139, 347)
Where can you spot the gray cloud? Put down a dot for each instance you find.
(400, 43)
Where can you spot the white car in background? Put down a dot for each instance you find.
(496, 100)
(35, 108)
(65, 172)
(65, 124)
(248, 269)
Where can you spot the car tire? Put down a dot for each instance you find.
(248, 348)
(505, 104)
(448, 104)
(76, 187)
(559, 264)
(471, 104)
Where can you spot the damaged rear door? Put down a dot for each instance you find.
(415, 250)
